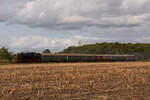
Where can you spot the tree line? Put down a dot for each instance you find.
(141, 50)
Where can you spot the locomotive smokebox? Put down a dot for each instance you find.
(28, 57)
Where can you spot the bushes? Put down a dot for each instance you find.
(141, 50)
(4, 61)
(5, 56)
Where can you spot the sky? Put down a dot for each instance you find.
(57, 24)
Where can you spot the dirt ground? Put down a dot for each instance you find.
(76, 81)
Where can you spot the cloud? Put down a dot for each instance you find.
(4, 13)
(90, 21)
(58, 44)
(135, 7)
(71, 14)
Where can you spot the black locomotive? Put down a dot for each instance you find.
(30, 57)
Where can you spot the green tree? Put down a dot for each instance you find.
(5, 54)
(46, 51)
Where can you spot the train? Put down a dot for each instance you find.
(33, 57)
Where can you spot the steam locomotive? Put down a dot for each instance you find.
(33, 57)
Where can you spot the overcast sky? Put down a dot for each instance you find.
(57, 24)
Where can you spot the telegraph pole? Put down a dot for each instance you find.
(80, 43)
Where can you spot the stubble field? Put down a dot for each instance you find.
(76, 81)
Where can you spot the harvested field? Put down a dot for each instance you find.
(76, 81)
